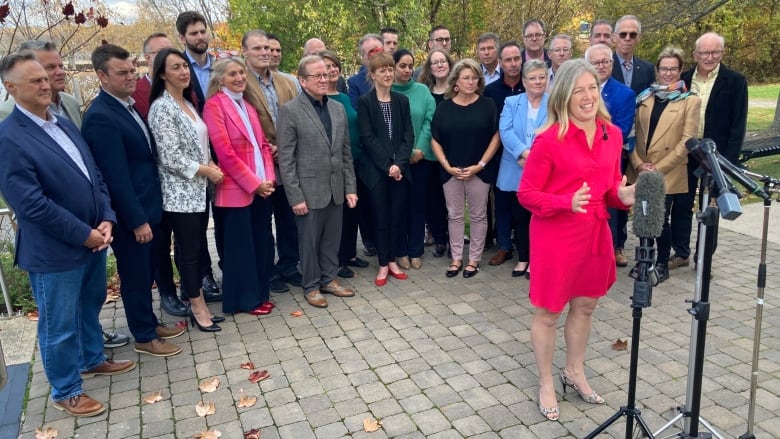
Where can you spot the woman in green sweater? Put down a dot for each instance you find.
(423, 163)
(347, 249)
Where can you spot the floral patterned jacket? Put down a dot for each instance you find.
(179, 156)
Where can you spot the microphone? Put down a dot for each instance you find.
(649, 209)
(738, 174)
(604, 130)
(707, 155)
(649, 205)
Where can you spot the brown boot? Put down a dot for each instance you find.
(110, 367)
(80, 405)
(158, 348)
(620, 258)
(500, 257)
(166, 332)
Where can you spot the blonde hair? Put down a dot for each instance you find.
(218, 71)
(461, 65)
(563, 88)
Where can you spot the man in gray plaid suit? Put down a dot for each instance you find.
(315, 165)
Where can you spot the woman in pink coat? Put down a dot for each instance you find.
(571, 176)
(245, 157)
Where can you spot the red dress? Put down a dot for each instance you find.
(572, 252)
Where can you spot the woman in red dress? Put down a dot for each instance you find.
(571, 176)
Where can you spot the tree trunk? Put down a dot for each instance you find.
(774, 129)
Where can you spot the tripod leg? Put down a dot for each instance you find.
(606, 423)
(642, 425)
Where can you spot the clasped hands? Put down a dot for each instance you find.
(101, 237)
(395, 173)
(464, 174)
(266, 188)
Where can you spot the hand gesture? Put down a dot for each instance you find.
(625, 193)
(581, 198)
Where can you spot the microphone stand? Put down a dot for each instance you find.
(708, 220)
(770, 185)
(642, 297)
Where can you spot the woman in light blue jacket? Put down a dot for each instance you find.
(523, 114)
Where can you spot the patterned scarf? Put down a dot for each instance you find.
(672, 92)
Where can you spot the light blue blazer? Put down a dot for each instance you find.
(517, 135)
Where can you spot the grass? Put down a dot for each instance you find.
(769, 91)
(760, 119)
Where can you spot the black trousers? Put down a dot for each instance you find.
(189, 231)
(521, 223)
(390, 200)
(286, 236)
(349, 229)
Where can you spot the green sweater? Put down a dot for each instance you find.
(354, 135)
(422, 106)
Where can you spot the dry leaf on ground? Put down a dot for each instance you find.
(32, 316)
(248, 365)
(258, 375)
(246, 400)
(296, 313)
(205, 408)
(209, 385)
(45, 433)
(252, 434)
(620, 345)
(112, 296)
(153, 397)
(208, 434)
(371, 425)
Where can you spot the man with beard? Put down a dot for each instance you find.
(194, 35)
(276, 60)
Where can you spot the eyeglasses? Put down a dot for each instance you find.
(561, 50)
(533, 36)
(706, 53)
(603, 62)
(629, 35)
(668, 69)
(440, 62)
(442, 40)
(319, 77)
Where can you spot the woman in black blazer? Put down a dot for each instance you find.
(387, 137)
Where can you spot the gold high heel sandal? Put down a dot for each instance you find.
(590, 398)
(551, 413)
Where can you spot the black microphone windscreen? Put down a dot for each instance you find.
(649, 205)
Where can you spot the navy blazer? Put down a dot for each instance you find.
(642, 77)
(379, 151)
(56, 205)
(127, 161)
(725, 118)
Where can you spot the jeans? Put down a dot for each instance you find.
(69, 332)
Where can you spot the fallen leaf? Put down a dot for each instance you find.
(205, 408)
(180, 324)
(208, 434)
(112, 296)
(46, 433)
(246, 400)
(296, 313)
(154, 397)
(33, 317)
(258, 375)
(371, 425)
(620, 345)
(209, 385)
(248, 365)
(252, 434)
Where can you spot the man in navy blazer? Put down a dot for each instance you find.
(620, 102)
(65, 219)
(125, 153)
(630, 70)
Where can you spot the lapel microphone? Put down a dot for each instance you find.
(604, 130)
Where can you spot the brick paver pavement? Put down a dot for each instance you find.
(440, 358)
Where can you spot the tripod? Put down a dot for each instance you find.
(700, 311)
(643, 292)
(769, 184)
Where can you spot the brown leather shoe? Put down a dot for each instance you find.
(678, 262)
(403, 262)
(166, 332)
(315, 299)
(158, 348)
(620, 258)
(500, 257)
(80, 405)
(110, 367)
(337, 290)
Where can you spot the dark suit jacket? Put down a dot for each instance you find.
(621, 104)
(200, 98)
(313, 167)
(379, 152)
(725, 118)
(56, 205)
(126, 159)
(641, 78)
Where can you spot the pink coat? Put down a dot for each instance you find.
(235, 151)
